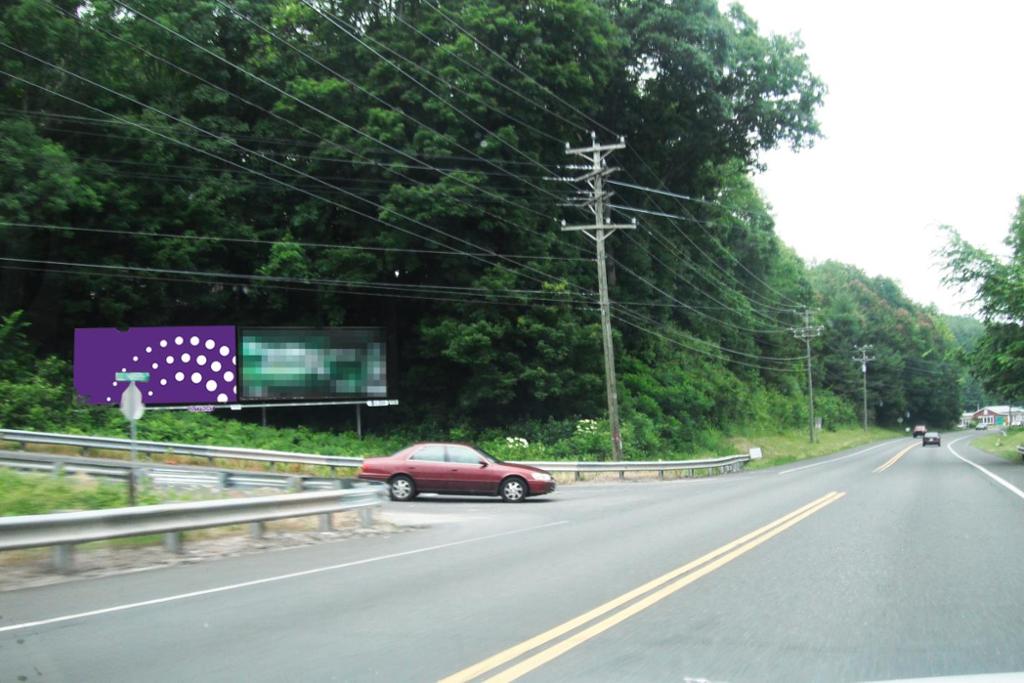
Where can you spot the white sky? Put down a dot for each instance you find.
(923, 125)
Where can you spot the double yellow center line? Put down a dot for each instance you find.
(893, 460)
(654, 591)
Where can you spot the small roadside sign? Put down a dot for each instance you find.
(132, 406)
(132, 376)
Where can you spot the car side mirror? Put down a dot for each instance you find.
(483, 463)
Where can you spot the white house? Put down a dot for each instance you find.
(996, 415)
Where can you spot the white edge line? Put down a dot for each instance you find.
(269, 579)
(829, 462)
(995, 477)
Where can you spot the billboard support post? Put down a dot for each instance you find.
(359, 420)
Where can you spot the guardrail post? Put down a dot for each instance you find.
(366, 517)
(579, 475)
(256, 529)
(172, 542)
(64, 558)
(622, 475)
(345, 483)
(58, 469)
(661, 475)
(223, 480)
(294, 484)
(326, 523)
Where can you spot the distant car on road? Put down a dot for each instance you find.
(455, 469)
(919, 430)
(931, 438)
(981, 426)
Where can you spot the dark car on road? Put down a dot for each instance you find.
(455, 469)
(919, 430)
(931, 438)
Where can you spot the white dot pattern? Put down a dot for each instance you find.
(218, 380)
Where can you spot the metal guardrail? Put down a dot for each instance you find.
(208, 452)
(65, 529)
(730, 463)
(1020, 451)
(167, 475)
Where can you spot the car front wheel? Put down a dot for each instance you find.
(402, 488)
(513, 490)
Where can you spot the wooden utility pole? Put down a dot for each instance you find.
(599, 231)
(807, 333)
(864, 360)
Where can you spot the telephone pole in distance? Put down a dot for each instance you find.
(864, 360)
(807, 333)
(599, 232)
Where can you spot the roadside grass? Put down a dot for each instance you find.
(35, 494)
(1003, 446)
(792, 445)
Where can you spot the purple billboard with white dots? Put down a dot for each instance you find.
(186, 365)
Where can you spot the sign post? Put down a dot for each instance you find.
(133, 408)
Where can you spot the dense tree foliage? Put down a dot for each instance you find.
(916, 372)
(997, 355)
(397, 163)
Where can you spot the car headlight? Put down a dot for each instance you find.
(540, 476)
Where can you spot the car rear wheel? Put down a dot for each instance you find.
(402, 488)
(513, 490)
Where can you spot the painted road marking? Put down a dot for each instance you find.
(995, 477)
(270, 579)
(703, 566)
(829, 462)
(894, 459)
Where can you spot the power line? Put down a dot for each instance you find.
(91, 275)
(384, 286)
(337, 22)
(436, 6)
(300, 243)
(257, 153)
(625, 319)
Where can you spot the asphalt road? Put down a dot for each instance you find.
(860, 566)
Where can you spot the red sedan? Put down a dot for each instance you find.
(455, 469)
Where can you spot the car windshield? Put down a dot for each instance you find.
(487, 455)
